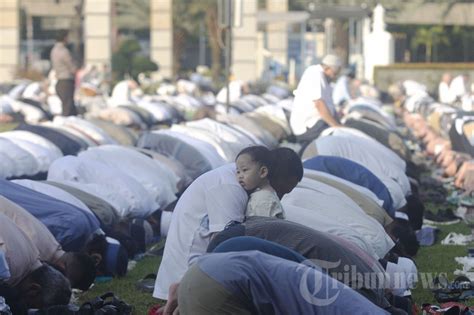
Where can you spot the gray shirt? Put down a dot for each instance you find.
(62, 63)
(18, 256)
(277, 286)
(334, 255)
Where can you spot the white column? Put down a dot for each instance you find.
(9, 39)
(161, 33)
(329, 33)
(277, 33)
(261, 58)
(244, 44)
(97, 32)
(379, 45)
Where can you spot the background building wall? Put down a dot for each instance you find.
(244, 45)
(161, 35)
(9, 38)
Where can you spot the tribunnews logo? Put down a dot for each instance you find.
(323, 288)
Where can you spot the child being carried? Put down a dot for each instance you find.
(254, 168)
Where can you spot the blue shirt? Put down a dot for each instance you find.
(341, 92)
(71, 226)
(273, 285)
(354, 173)
(4, 269)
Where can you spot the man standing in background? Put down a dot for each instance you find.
(63, 65)
(313, 107)
(445, 95)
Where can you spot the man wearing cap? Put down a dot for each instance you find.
(313, 107)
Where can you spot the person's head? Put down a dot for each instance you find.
(331, 65)
(44, 287)
(397, 92)
(253, 166)
(62, 36)
(350, 71)
(407, 244)
(287, 170)
(415, 210)
(446, 78)
(111, 257)
(80, 269)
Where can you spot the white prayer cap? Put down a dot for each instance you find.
(332, 61)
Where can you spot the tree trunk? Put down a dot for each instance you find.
(76, 35)
(114, 28)
(179, 39)
(212, 28)
(429, 47)
(341, 39)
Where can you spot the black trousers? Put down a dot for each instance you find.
(65, 91)
(311, 134)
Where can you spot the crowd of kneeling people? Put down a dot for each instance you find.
(447, 133)
(330, 230)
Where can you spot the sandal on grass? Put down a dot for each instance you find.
(147, 284)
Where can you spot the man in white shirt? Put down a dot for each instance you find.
(211, 202)
(313, 107)
(444, 93)
(459, 86)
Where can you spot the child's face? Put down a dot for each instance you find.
(250, 174)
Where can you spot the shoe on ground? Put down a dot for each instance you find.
(443, 217)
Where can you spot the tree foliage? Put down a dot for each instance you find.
(430, 37)
(128, 60)
(132, 14)
(187, 15)
(448, 4)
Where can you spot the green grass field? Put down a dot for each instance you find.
(125, 287)
(7, 126)
(439, 259)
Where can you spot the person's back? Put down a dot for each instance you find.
(356, 149)
(353, 172)
(17, 251)
(211, 202)
(327, 251)
(49, 249)
(362, 196)
(340, 208)
(388, 138)
(206, 206)
(312, 86)
(71, 226)
(264, 284)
